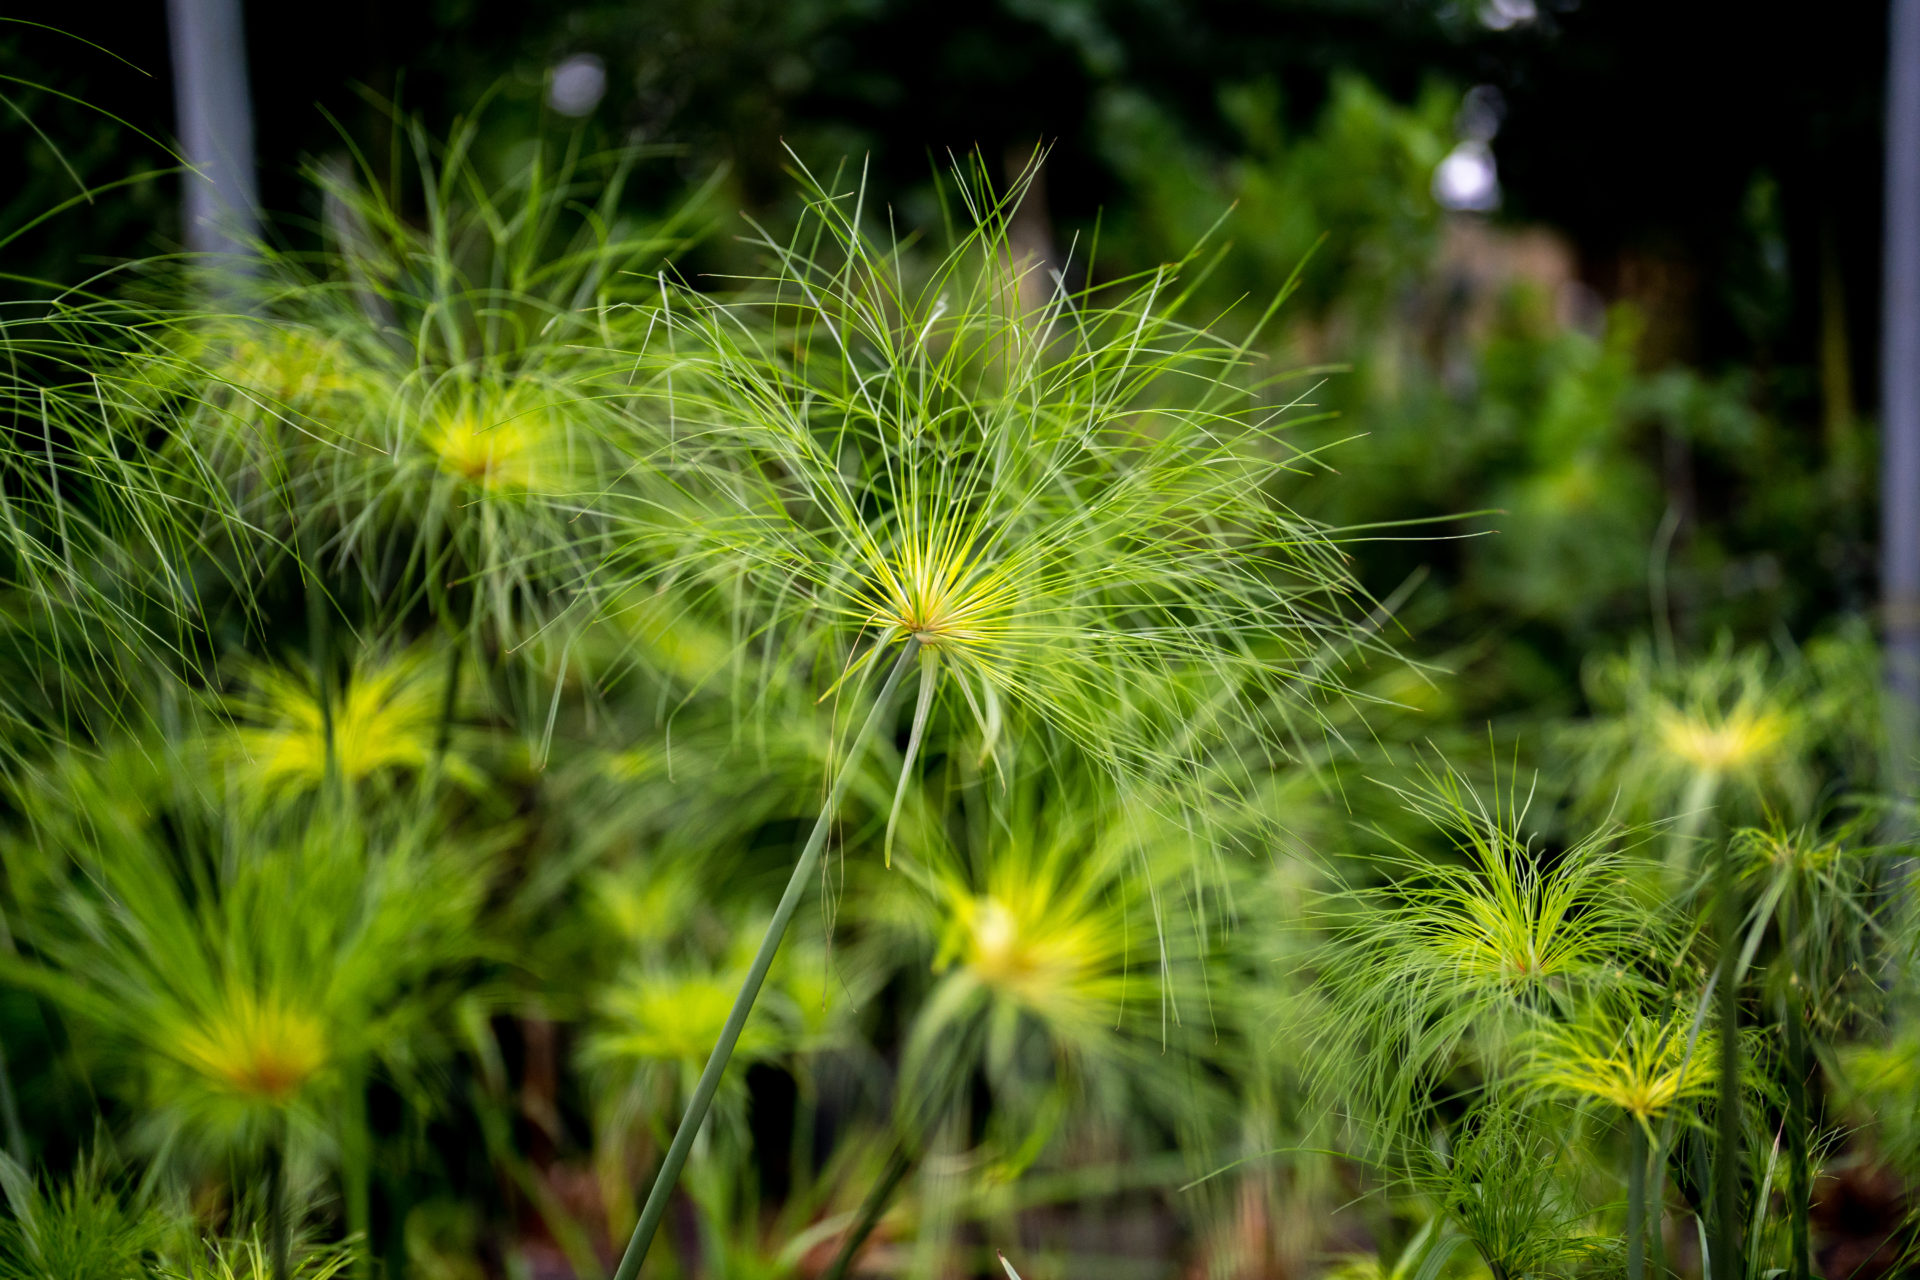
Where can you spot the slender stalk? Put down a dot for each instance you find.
(320, 650)
(870, 1210)
(356, 1170)
(1727, 1264)
(1636, 1201)
(1657, 1208)
(947, 1084)
(702, 1099)
(1694, 807)
(1799, 1166)
(449, 702)
(10, 1114)
(443, 730)
(1799, 1171)
(277, 1245)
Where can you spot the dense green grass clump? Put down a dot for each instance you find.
(438, 669)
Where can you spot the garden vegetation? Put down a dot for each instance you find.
(440, 667)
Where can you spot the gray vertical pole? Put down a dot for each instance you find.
(1900, 396)
(216, 127)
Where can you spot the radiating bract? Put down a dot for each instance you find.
(1428, 981)
(1645, 1067)
(1679, 740)
(1068, 507)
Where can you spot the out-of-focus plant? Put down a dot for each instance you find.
(249, 1260)
(1814, 931)
(1680, 739)
(1065, 937)
(391, 719)
(91, 1225)
(105, 596)
(1880, 1079)
(1362, 177)
(242, 984)
(1430, 981)
(426, 412)
(525, 478)
(1504, 1184)
(652, 1031)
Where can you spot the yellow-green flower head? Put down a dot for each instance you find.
(1070, 511)
(674, 1017)
(1039, 963)
(1508, 919)
(386, 718)
(1514, 939)
(1043, 929)
(1643, 1067)
(940, 595)
(644, 913)
(497, 445)
(1798, 855)
(258, 1048)
(289, 364)
(1726, 731)
(1743, 738)
(1441, 968)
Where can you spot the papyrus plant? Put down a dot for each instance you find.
(1697, 743)
(415, 420)
(1428, 982)
(1065, 944)
(1817, 923)
(1701, 745)
(1649, 1070)
(388, 720)
(103, 593)
(239, 979)
(1504, 1183)
(878, 464)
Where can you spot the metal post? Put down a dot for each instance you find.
(1900, 396)
(216, 128)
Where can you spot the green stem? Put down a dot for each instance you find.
(321, 656)
(449, 703)
(1799, 1170)
(10, 1114)
(1636, 1200)
(925, 1110)
(429, 780)
(1694, 806)
(356, 1170)
(676, 1159)
(870, 1210)
(1727, 1264)
(277, 1246)
(1657, 1208)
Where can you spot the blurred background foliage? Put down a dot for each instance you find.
(1581, 301)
